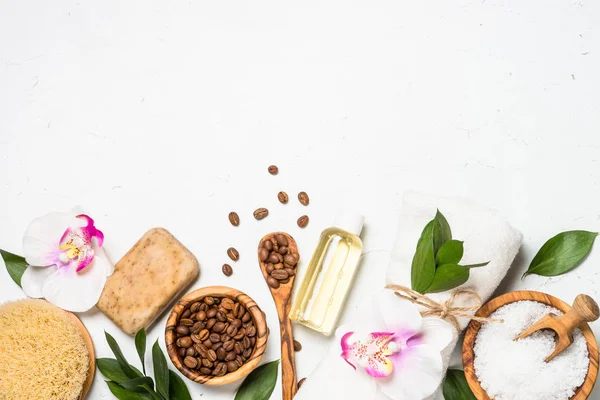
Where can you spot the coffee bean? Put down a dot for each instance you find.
(195, 338)
(248, 352)
(214, 337)
(269, 268)
(283, 250)
(261, 213)
(273, 259)
(232, 366)
(282, 240)
(220, 370)
(268, 245)
(183, 330)
(185, 341)
(228, 345)
(246, 342)
(273, 170)
(279, 274)
(246, 317)
(225, 337)
(236, 309)
(182, 352)
(221, 316)
(227, 270)
(211, 313)
(290, 271)
(206, 371)
(290, 259)
(240, 313)
(199, 325)
(239, 360)
(203, 335)
(202, 350)
(278, 266)
(217, 346)
(301, 382)
(250, 331)
(203, 307)
(190, 352)
(195, 307)
(297, 345)
(232, 330)
(212, 355)
(230, 356)
(234, 218)
(263, 254)
(221, 353)
(186, 322)
(219, 327)
(227, 303)
(207, 363)
(207, 343)
(303, 221)
(238, 348)
(208, 300)
(282, 197)
(303, 198)
(240, 334)
(274, 283)
(233, 254)
(190, 362)
(186, 313)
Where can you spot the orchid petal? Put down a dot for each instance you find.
(77, 291)
(399, 315)
(334, 379)
(33, 279)
(418, 371)
(434, 332)
(41, 239)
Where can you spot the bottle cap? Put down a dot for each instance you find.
(349, 221)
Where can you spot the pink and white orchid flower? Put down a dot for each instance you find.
(390, 352)
(67, 265)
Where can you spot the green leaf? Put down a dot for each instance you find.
(15, 265)
(151, 392)
(260, 383)
(110, 368)
(161, 371)
(450, 253)
(456, 386)
(177, 388)
(562, 253)
(441, 231)
(423, 263)
(475, 265)
(125, 367)
(140, 345)
(124, 394)
(136, 384)
(448, 276)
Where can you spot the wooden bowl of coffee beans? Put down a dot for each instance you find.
(216, 335)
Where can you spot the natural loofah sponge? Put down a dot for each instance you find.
(42, 354)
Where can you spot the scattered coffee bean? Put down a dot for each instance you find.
(227, 270)
(303, 198)
(261, 213)
(297, 345)
(303, 221)
(301, 382)
(273, 170)
(233, 254)
(234, 218)
(282, 197)
(216, 339)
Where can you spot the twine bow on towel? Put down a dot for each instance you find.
(445, 310)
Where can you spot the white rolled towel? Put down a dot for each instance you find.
(487, 237)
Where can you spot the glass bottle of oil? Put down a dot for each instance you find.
(329, 275)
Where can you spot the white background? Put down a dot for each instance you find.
(167, 114)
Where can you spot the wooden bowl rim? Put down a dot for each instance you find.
(487, 309)
(217, 291)
(87, 338)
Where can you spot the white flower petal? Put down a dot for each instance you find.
(398, 313)
(101, 261)
(33, 280)
(435, 332)
(42, 237)
(76, 291)
(335, 379)
(418, 371)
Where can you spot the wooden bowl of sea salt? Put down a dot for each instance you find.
(496, 367)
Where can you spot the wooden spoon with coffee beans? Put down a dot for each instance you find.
(278, 258)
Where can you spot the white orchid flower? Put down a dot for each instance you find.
(391, 352)
(67, 265)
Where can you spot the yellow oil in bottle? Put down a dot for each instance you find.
(329, 276)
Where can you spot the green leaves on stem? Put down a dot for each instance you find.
(435, 265)
(260, 383)
(15, 265)
(456, 386)
(562, 253)
(128, 383)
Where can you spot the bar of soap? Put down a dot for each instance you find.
(153, 273)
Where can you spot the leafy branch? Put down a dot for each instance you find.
(435, 265)
(126, 382)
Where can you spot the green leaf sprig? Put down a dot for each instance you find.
(435, 266)
(260, 383)
(15, 265)
(562, 253)
(456, 386)
(126, 382)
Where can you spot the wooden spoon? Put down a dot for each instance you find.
(584, 309)
(282, 297)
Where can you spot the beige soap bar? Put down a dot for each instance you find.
(155, 271)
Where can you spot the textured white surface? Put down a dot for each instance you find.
(168, 113)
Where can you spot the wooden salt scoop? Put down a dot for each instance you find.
(282, 297)
(584, 309)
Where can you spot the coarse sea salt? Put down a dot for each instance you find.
(515, 370)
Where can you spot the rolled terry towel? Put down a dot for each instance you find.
(486, 236)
